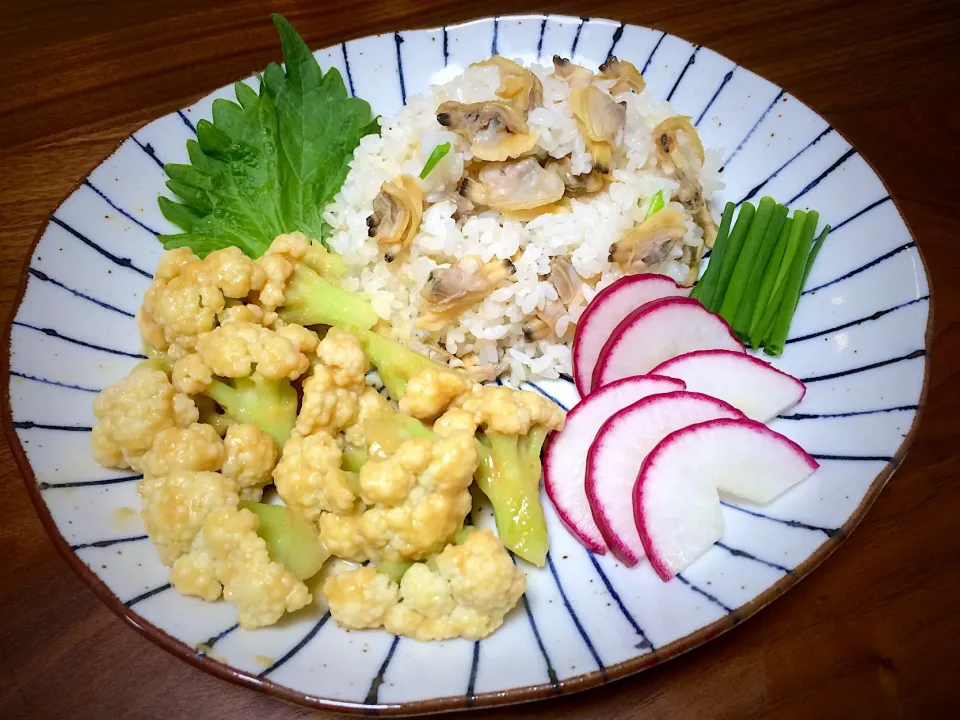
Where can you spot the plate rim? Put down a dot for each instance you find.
(528, 693)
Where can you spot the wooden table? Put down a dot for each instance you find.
(873, 633)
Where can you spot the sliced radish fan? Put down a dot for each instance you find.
(618, 452)
(565, 454)
(657, 332)
(675, 500)
(752, 386)
(610, 306)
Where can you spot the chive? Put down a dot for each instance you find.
(734, 243)
(436, 156)
(747, 259)
(779, 284)
(704, 289)
(655, 204)
(791, 297)
(766, 284)
(741, 323)
(813, 254)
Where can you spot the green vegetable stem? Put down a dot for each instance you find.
(769, 277)
(741, 322)
(734, 244)
(780, 281)
(704, 290)
(747, 259)
(439, 152)
(778, 334)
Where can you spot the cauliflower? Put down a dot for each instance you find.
(512, 412)
(418, 497)
(133, 412)
(233, 350)
(472, 588)
(228, 553)
(193, 449)
(175, 507)
(187, 294)
(430, 392)
(331, 393)
(360, 598)
(309, 479)
(371, 405)
(250, 456)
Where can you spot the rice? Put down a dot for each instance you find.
(492, 332)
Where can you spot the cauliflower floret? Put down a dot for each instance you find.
(418, 496)
(331, 393)
(251, 455)
(309, 479)
(276, 265)
(511, 412)
(455, 421)
(360, 598)
(233, 350)
(431, 391)
(371, 405)
(175, 506)
(133, 412)
(248, 313)
(229, 552)
(193, 449)
(187, 294)
(472, 588)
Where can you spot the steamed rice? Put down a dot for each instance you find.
(493, 329)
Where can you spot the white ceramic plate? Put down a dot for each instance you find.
(859, 341)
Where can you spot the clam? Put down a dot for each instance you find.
(397, 210)
(625, 74)
(677, 162)
(496, 131)
(575, 75)
(583, 184)
(648, 243)
(518, 86)
(513, 186)
(451, 291)
(601, 120)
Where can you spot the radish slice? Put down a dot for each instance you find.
(565, 454)
(677, 510)
(675, 500)
(657, 332)
(758, 390)
(617, 454)
(604, 313)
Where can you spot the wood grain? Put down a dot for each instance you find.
(872, 633)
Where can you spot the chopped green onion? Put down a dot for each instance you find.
(734, 244)
(655, 204)
(778, 334)
(747, 259)
(439, 152)
(703, 291)
(741, 322)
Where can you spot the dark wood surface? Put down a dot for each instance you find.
(873, 633)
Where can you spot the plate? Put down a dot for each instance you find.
(859, 340)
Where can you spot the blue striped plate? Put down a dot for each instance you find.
(859, 341)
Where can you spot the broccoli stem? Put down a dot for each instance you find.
(395, 362)
(327, 264)
(291, 540)
(271, 405)
(311, 300)
(509, 475)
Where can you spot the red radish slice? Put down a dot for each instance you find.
(657, 332)
(675, 500)
(758, 390)
(565, 454)
(744, 458)
(677, 510)
(604, 313)
(616, 456)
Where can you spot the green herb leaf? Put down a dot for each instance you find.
(439, 152)
(270, 162)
